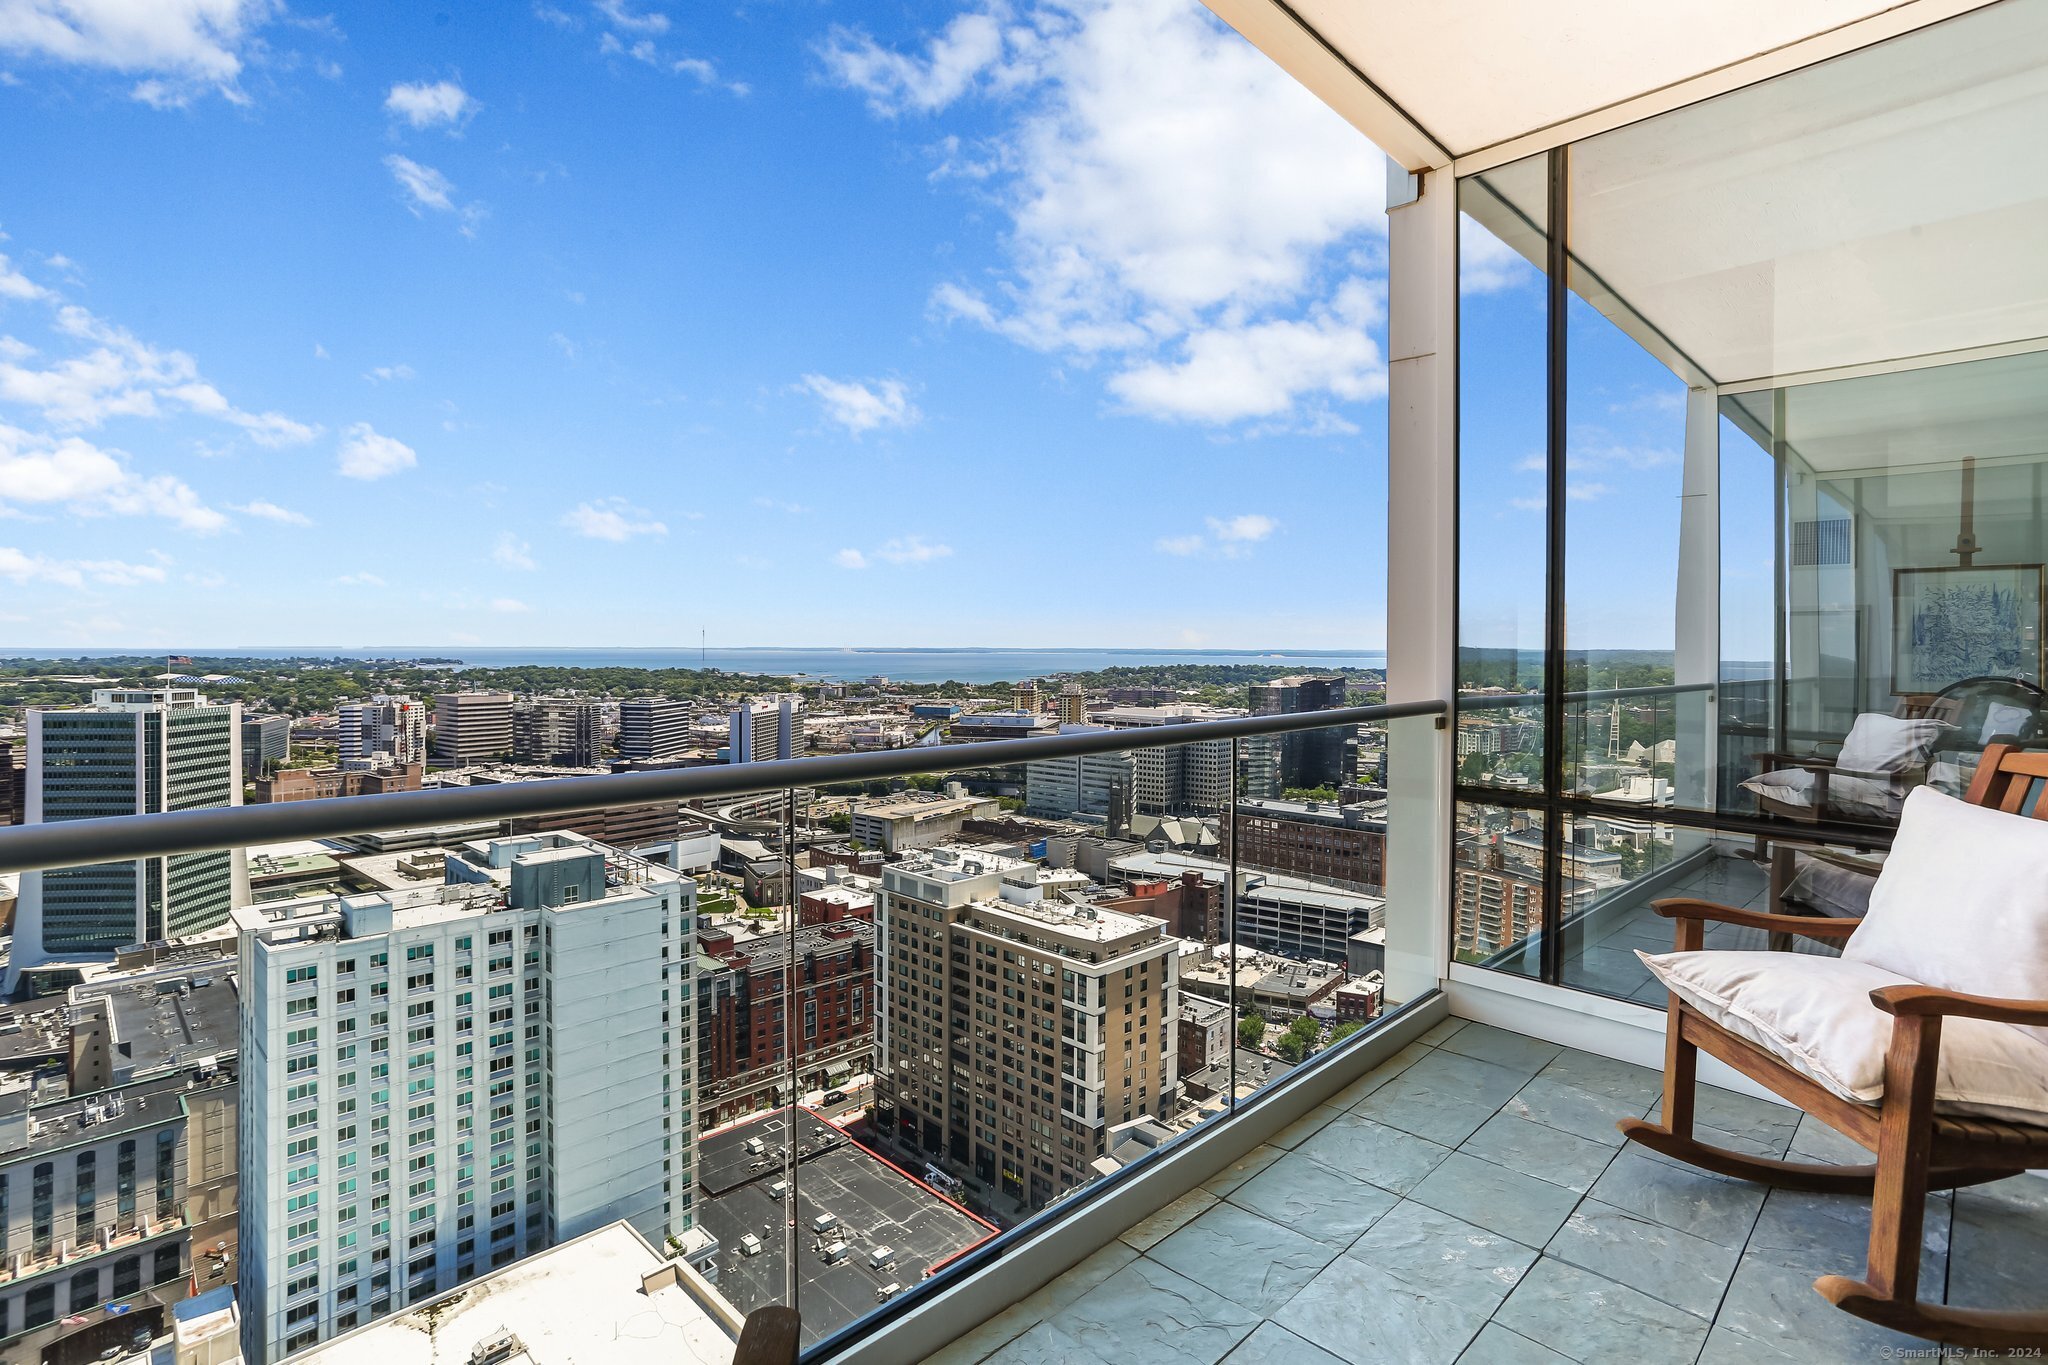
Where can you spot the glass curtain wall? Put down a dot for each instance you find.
(1751, 480)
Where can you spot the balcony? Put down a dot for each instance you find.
(1717, 506)
(1469, 1200)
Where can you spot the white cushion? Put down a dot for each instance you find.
(1814, 1014)
(1869, 797)
(1886, 744)
(1962, 902)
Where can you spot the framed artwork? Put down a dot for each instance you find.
(1953, 623)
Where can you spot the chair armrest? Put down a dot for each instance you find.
(1827, 930)
(770, 1336)
(1769, 761)
(1925, 1000)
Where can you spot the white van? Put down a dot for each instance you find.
(750, 1245)
(836, 1253)
(824, 1223)
(880, 1257)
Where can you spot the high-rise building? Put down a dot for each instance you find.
(1024, 697)
(394, 725)
(772, 728)
(472, 728)
(563, 731)
(1085, 784)
(266, 742)
(1191, 778)
(131, 752)
(13, 786)
(440, 1080)
(1308, 758)
(1020, 1029)
(653, 727)
(1073, 705)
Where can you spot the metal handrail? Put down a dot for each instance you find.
(1477, 702)
(78, 843)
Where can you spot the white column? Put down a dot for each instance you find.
(1422, 359)
(1697, 657)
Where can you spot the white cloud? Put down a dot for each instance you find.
(68, 472)
(636, 33)
(123, 376)
(180, 47)
(1246, 529)
(913, 550)
(425, 186)
(1487, 265)
(367, 455)
(19, 566)
(624, 16)
(1264, 369)
(895, 83)
(511, 552)
(360, 580)
(862, 405)
(15, 285)
(903, 550)
(270, 511)
(423, 105)
(1230, 537)
(1178, 206)
(386, 374)
(612, 519)
(508, 605)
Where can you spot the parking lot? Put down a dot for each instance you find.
(875, 1206)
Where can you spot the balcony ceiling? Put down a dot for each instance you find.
(1760, 189)
(1430, 82)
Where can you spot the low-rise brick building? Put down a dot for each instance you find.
(743, 1032)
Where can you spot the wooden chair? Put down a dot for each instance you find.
(1918, 1150)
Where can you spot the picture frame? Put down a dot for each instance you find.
(1953, 622)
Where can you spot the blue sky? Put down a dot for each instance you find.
(607, 323)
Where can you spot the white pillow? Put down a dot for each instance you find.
(1962, 902)
(1814, 1013)
(1885, 744)
(1869, 797)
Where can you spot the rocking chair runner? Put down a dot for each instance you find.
(1918, 1149)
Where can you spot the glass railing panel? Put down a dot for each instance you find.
(1307, 924)
(1499, 888)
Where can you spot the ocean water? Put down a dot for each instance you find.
(901, 665)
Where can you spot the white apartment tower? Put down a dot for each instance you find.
(772, 728)
(437, 1081)
(131, 752)
(385, 724)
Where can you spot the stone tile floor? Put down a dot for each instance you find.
(1470, 1201)
(1603, 957)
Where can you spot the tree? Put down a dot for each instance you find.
(1343, 1031)
(1311, 794)
(1299, 1040)
(839, 822)
(1251, 1030)
(1472, 767)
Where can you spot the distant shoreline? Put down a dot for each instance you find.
(910, 664)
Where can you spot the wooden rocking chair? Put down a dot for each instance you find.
(1918, 1149)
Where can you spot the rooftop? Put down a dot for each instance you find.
(877, 1205)
(586, 1300)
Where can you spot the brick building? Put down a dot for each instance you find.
(741, 1039)
(1191, 906)
(1335, 845)
(312, 784)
